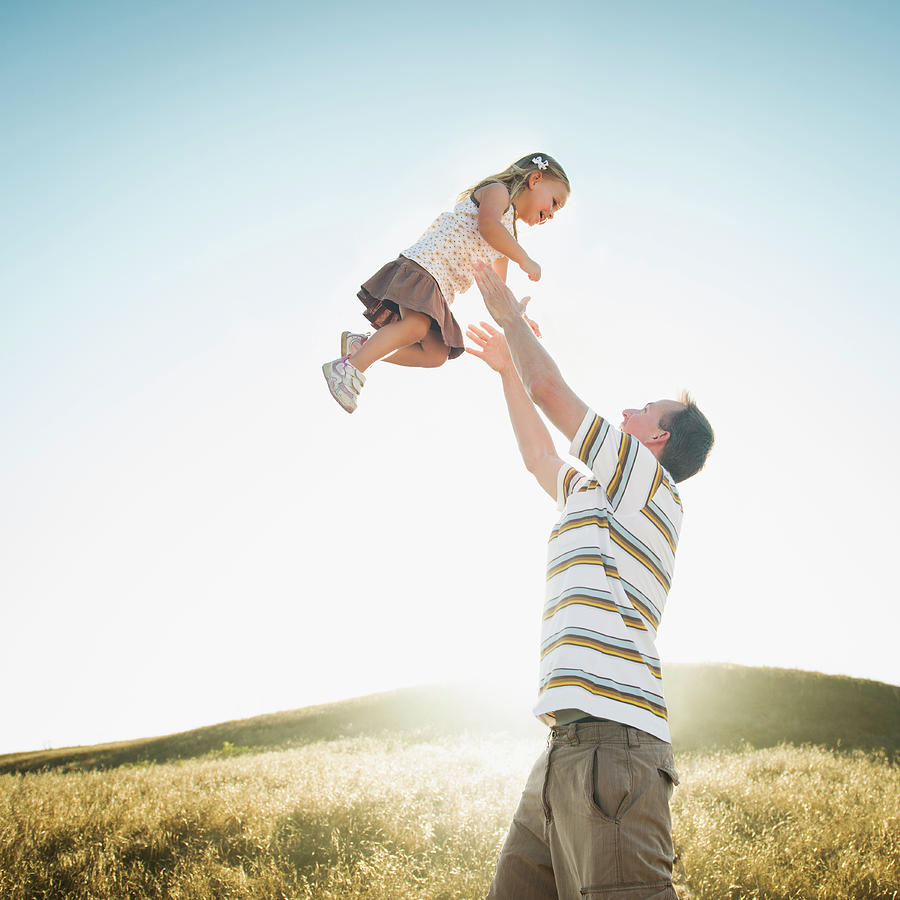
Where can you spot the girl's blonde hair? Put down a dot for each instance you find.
(515, 177)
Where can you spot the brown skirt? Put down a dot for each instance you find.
(405, 283)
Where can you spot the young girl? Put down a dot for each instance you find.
(408, 300)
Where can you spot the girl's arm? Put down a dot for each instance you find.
(493, 199)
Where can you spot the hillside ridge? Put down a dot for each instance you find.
(711, 706)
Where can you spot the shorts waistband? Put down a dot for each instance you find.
(591, 731)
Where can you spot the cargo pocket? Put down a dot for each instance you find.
(670, 777)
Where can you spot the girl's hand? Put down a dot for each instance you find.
(531, 269)
(494, 350)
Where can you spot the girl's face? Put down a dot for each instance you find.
(542, 198)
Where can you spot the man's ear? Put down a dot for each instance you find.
(660, 439)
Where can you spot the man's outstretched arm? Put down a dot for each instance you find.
(535, 444)
(539, 374)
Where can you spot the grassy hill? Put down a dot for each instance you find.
(711, 707)
(408, 795)
(724, 707)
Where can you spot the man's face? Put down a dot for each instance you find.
(644, 424)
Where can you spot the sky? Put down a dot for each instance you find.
(192, 531)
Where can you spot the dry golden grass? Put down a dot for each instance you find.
(384, 818)
(789, 822)
(352, 818)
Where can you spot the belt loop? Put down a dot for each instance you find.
(632, 736)
(574, 732)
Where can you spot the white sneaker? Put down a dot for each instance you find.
(345, 381)
(351, 342)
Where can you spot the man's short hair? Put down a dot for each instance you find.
(690, 440)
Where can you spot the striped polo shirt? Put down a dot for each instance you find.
(609, 568)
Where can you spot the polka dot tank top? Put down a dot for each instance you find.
(453, 244)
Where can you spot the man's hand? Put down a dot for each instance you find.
(494, 350)
(539, 374)
(498, 298)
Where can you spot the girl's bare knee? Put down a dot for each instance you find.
(437, 356)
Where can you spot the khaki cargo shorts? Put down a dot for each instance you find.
(593, 820)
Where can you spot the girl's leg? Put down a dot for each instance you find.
(407, 342)
(429, 353)
(410, 328)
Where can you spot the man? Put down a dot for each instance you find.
(594, 819)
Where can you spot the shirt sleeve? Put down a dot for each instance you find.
(626, 470)
(568, 482)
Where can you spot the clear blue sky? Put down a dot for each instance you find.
(191, 530)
